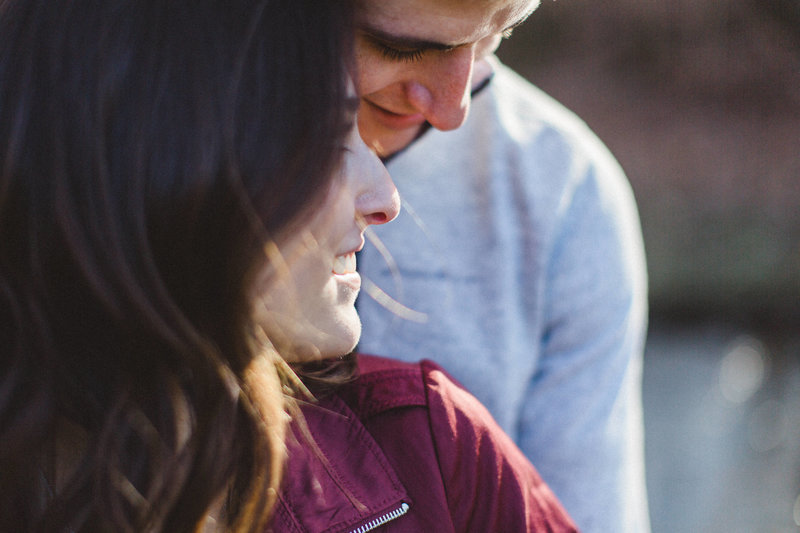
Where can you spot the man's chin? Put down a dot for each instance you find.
(388, 143)
(385, 139)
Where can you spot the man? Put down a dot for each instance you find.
(517, 263)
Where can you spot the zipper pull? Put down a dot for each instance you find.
(388, 517)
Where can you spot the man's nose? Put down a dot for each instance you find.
(441, 92)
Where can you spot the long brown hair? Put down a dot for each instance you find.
(148, 150)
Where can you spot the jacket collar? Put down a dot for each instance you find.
(339, 480)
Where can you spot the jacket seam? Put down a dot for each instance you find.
(340, 407)
(428, 390)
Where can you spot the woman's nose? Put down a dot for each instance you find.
(377, 199)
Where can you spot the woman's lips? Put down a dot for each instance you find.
(394, 120)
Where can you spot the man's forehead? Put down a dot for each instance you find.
(442, 23)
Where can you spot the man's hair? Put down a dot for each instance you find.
(148, 151)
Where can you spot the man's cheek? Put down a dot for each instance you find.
(373, 76)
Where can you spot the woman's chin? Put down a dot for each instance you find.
(329, 347)
(337, 347)
(343, 337)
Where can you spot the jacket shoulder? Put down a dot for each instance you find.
(384, 384)
(491, 485)
(451, 455)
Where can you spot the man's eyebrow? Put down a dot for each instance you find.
(414, 43)
(404, 42)
(514, 25)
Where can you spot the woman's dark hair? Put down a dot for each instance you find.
(148, 151)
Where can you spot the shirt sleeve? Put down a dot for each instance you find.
(581, 422)
(490, 484)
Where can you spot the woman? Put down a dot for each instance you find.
(182, 194)
(150, 152)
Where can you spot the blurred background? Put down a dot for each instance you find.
(700, 102)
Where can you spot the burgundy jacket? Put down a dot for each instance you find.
(404, 448)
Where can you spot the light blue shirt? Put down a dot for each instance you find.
(520, 244)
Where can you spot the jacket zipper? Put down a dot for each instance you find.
(388, 517)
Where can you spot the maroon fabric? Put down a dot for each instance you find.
(409, 433)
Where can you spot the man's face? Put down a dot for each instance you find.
(418, 60)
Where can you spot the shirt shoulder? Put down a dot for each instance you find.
(527, 115)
